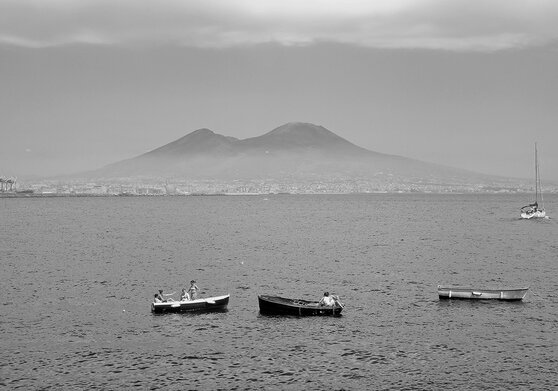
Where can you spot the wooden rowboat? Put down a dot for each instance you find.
(274, 305)
(217, 303)
(460, 292)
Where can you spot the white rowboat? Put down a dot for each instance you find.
(461, 292)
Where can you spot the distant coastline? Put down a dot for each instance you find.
(224, 194)
(149, 186)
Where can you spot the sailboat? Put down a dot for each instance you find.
(534, 210)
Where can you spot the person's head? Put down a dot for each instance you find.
(326, 294)
(193, 282)
(155, 295)
(183, 290)
(161, 291)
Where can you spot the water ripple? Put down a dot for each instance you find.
(81, 273)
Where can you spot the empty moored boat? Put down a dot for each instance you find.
(461, 292)
(274, 305)
(217, 303)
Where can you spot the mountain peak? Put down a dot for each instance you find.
(199, 141)
(202, 131)
(302, 135)
(301, 128)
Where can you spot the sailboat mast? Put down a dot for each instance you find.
(539, 182)
(536, 175)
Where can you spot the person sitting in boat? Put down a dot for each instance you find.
(327, 300)
(157, 298)
(184, 296)
(337, 301)
(162, 295)
(193, 290)
(531, 208)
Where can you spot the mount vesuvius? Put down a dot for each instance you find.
(296, 150)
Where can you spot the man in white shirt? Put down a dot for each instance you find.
(327, 300)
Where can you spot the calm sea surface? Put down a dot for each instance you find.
(78, 275)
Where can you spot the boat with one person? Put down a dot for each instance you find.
(217, 303)
(275, 305)
(534, 209)
(463, 292)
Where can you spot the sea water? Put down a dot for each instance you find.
(78, 276)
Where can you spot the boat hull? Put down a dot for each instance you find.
(217, 303)
(539, 214)
(467, 293)
(274, 305)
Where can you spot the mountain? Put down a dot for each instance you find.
(294, 151)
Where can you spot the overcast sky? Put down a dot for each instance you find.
(470, 84)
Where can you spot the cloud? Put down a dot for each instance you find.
(433, 24)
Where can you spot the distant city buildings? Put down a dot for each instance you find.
(177, 187)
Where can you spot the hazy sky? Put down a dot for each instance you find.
(465, 83)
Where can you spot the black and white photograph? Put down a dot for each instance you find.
(279, 194)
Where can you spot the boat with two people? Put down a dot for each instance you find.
(275, 305)
(186, 304)
(534, 209)
(470, 293)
